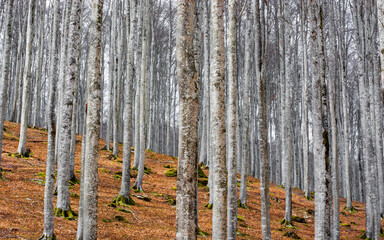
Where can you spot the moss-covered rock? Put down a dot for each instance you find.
(171, 173)
(168, 166)
(122, 201)
(67, 214)
(287, 223)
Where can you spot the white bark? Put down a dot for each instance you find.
(50, 167)
(93, 124)
(71, 80)
(22, 148)
(186, 195)
(143, 82)
(232, 122)
(5, 71)
(217, 86)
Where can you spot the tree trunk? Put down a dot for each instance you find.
(5, 67)
(217, 87)
(93, 124)
(64, 165)
(232, 122)
(22, 148)
(50, 167)
(143, 82)
(186, 195)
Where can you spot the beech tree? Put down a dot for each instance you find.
(93, 124)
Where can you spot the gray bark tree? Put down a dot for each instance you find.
(5, 67)
(217, 86)
(93, 124)
(231, 121)
(22, 148)
(186, 195)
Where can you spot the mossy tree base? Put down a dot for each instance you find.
(241, 205)
(350, 209)
(138, 188)
(67, 214)
(47, 237)
(74, 180)
(122, 201)
(287, 223)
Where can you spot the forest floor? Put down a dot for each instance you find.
(22, 199)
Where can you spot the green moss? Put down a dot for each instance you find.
(209, 205)
(202, 182)
(39, 181)
(78, 171)
(45, 237)
(75, 195)
(171, 173)
(201, 174)
(67, 214)
(104, 170)
(345, 225)
(170, 199)
(287, 224)
(242, 205)
(291, 234)
(350, 209)
(168, 166)
(74, 180)
(122, 201)
(121, 219)
(174, 188)
(311, 212)
(118, 175)
(202, 233)
(40, 174)
(240, 234)
(240, 218)
(106, 220)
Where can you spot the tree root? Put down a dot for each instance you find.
(350, 209)
(242, 205)
(287, 224)
(67, 214)
(137, 188)
(122, 201)
(74, 180)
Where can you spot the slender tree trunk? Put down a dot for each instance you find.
(217, 86)
(36, 119)
(63, 204)
(246, 109)
(93, 123)
(22, 148)
(50, 167)
(143, 82)
(232, 122)
(319, 121)
(5, 67)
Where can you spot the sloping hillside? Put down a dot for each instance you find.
(22, 195)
